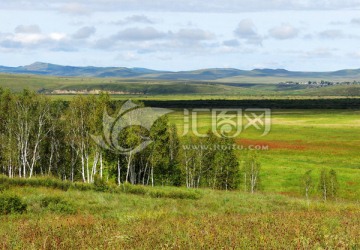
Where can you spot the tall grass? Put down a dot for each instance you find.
(74, 219)
(102, 186)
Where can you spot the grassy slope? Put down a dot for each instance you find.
(218, 220)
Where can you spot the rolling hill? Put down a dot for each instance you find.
(68, 80)
(40, 68)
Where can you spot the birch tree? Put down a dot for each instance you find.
(8, 147)
(32, 117)
(328, 184)
(78, 132)
(324, 184)
(307, 184)
(252, 169)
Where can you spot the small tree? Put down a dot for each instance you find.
(324, 184)
(307, 183)
(252, 169)
(333, 183)
(328, 184)
(226, 166)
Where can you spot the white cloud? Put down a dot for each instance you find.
(135, 19)
(139, 34)
(332, 34)
(246, 30)
(194, 35)
(8, 44)
(231, 43)
(30, 29)
(84, 32)
(28, 38)
(285, 31)
(34, 40)
(77, 6)
(355, 21)
(75, 9)
(149, 39)
(128, 56)
(57, 36)
(190, 39)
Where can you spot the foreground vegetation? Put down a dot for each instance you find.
(57, 219)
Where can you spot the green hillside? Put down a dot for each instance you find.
(222, 74)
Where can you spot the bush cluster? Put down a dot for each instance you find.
(100, 185)
(11, 204)
(57, 204)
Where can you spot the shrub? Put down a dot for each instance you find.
(46, 201)
(11, 204)
(3, 179)
(157, 194)
(179, 194)
(133, 189)
(56, 204)
(160, 193)
(100, 184)
(4, 186)
(175, 194)
(81, 186)
(37, 182)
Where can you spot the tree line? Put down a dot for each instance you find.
(43, 137)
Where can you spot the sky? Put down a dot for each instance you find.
(302, 35)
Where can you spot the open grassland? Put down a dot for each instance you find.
(301, 140)
(223, 220)
(175, 89)
(276, 79)
(277, 217)
(195, 97)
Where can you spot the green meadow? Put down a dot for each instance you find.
(276, 217)
(42, 213)
(301, 140)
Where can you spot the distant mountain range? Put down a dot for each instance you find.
(40, 68)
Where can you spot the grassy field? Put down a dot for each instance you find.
(300, 140)
(277, 217)
(219, 220)
(126, 97)
(170, 89)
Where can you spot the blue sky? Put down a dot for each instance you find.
(321, 35)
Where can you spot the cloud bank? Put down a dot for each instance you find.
(83, 7)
